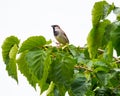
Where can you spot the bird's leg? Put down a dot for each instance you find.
(58, 44)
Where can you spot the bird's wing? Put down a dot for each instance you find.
(65, 36)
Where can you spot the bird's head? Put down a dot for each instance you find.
(53, 26)
(56, 27)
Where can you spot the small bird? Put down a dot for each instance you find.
(60, 35)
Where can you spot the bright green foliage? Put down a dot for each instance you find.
(7, 46)
(43, 84)
(62, 66)
(80, 85)
(11, 66)
(50, 89)
(115, 35)
(95, 37)
(62, 69)
(35, 60)
(108, 55)
(32, 42)
(24, 69)
(9, 51)
(100, 11)
(81, 71)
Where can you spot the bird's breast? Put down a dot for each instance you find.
(56, 33)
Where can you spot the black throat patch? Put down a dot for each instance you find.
(55, 32)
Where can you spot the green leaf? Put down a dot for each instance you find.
(56, 90)
(95, 38)
(104, 92)
(103, 78)
(78, 54)
(115, 36)
(108, 54)
(50, 91)
(32, 42)
(115, 78)
(100, 11)
(13, 52)
(117, 69)
(107, 36)
(79, 86)
(47, 61)
(99, 66)
(73, 50)
(36, 60)
(11, 66)
(61, 89)
(25, 70)
(90, 93)
(38, 63)
(92, 44)
(9, 51)
(48, 42)
(8, 43)
(62, 68)
(12, 69)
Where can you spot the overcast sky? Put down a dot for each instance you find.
(24, 18)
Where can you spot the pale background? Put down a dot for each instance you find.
(24, 18)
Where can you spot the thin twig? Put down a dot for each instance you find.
(82, 67)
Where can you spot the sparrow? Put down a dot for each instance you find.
(60, 35)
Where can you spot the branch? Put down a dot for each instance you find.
(82, 67)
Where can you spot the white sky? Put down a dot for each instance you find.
(24, 18)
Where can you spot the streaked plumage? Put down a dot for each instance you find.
(60, 34)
